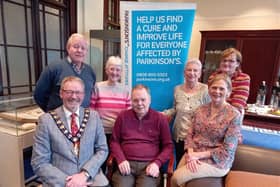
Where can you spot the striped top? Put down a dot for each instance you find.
(240, 89)
(109, 101)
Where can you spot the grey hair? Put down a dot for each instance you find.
(193, 61)
(114, 60)
(75, 35)
(71, 79)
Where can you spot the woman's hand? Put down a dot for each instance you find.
(192, 165)
(192, 161)
(194, 155)
(197, 155)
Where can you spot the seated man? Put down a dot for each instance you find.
(141, 142)
(70, 144)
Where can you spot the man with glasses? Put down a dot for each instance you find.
(69, 144)
(47, 88)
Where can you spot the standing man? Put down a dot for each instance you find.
(141, 142)
(47, 88)
(69, 143)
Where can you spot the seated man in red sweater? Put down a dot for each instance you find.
(141, 142)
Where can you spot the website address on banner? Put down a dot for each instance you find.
(159, 79)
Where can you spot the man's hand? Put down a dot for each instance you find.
(152, 170)
(124, 168)
(77, 180)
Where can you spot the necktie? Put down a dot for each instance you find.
(74, 126)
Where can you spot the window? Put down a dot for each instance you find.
(32, 34)
(111, 22)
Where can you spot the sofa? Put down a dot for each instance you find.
(253, 166)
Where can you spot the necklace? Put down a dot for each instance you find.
(190, 88)
(213, 111)
(74, 139)
(64, 130)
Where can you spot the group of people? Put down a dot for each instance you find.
(206, 134)
(84, 120)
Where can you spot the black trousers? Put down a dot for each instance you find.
(179, 148)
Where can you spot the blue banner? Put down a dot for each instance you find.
(155, 44)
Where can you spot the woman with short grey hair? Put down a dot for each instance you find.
(187, 97)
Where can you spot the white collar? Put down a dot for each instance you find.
(69, 59)
(68, 112)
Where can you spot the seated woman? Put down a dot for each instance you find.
(212, 139)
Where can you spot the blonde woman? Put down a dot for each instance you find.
(212, 139)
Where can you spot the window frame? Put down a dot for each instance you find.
(67, 21)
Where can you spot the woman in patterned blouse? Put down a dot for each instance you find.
(212, 139)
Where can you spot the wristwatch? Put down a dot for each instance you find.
(86, 174)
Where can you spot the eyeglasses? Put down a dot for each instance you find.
(229, 61)
(71, 92)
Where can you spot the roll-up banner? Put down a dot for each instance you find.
(155, 38)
